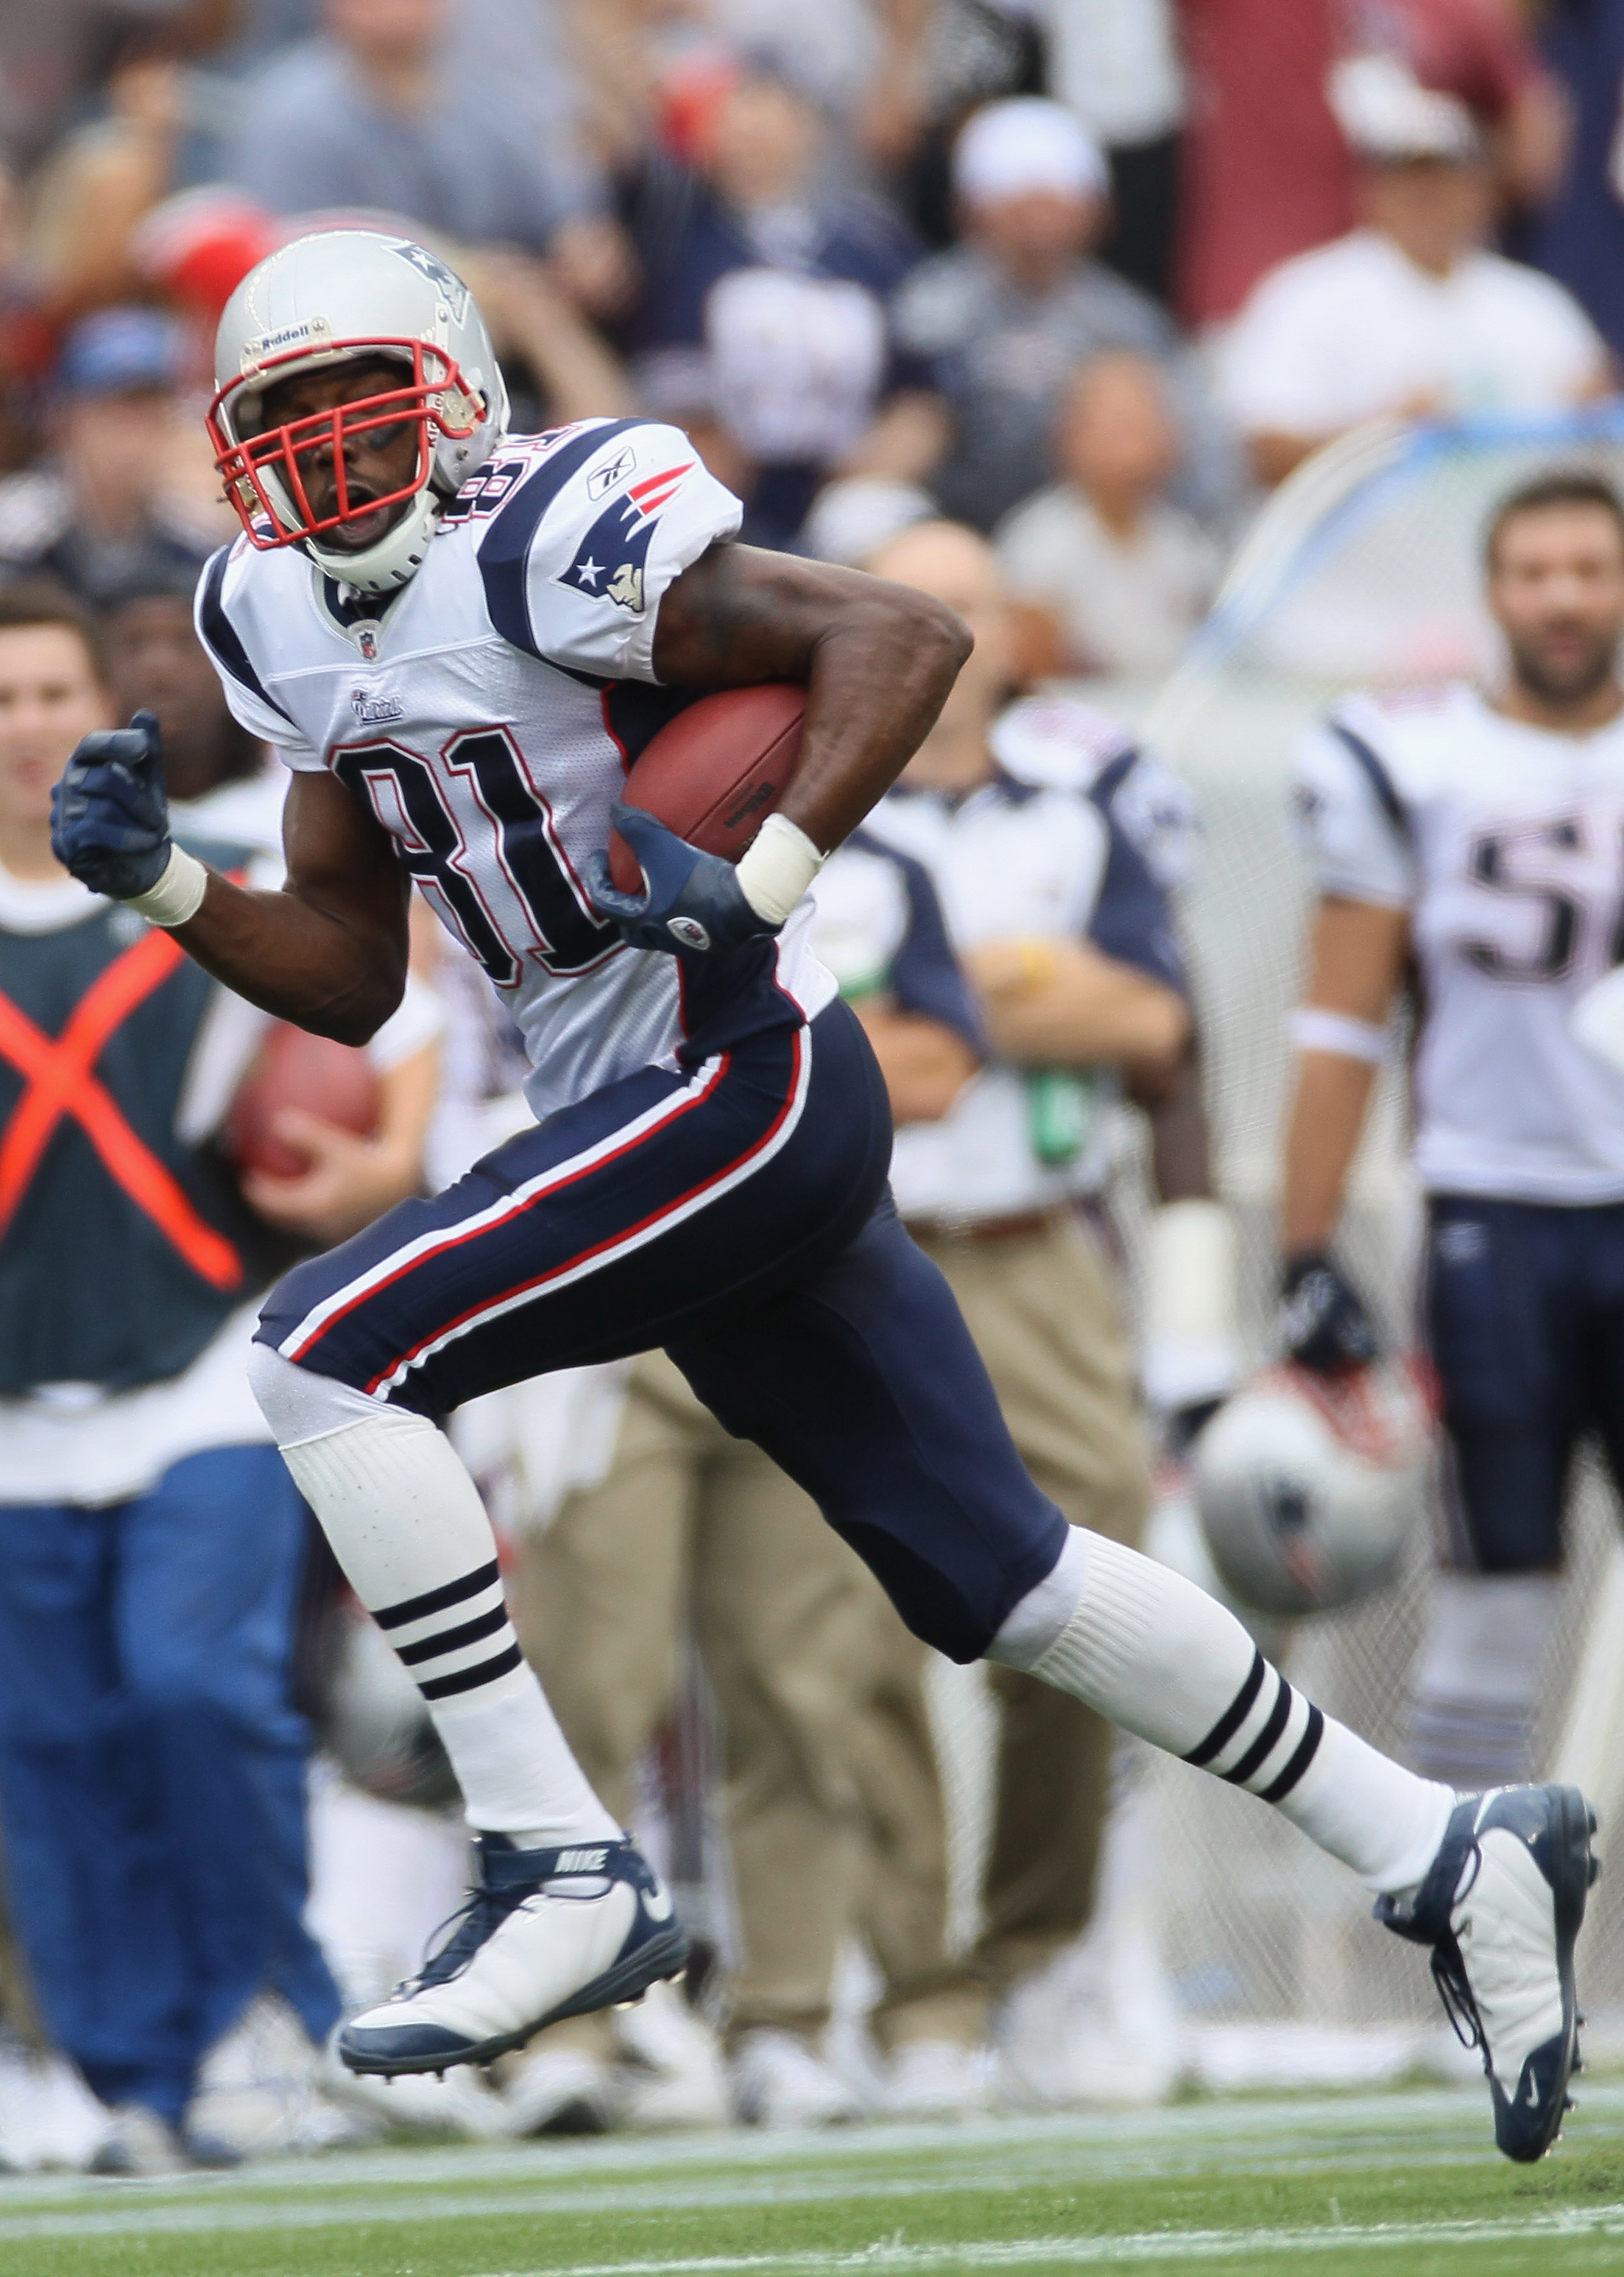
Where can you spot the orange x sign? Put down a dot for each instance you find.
(61, 1079)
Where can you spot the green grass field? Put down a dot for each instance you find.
(1384, 2184)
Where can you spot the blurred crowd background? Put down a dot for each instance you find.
(1090, 278)
(1085, 274)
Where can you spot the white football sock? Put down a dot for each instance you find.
(1477, 1683)
(406, 1523)
(1157, 1655)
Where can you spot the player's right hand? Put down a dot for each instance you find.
(109, 814)
(1324, 1324)
(693, 904)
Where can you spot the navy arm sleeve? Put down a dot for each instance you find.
(926, 977)
(1131, 919)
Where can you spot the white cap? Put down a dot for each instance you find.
(1386, 113)
(1008, 150)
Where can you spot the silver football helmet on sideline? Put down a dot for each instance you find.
(1307, 1488)
(337, 297)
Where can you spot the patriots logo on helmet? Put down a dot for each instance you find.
(430, 265)
(609, 559)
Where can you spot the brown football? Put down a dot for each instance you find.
(716, 772)
(294, 1069)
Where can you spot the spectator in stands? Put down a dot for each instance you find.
(97, 511)
(1410, 315)
(1124, 575)
(1054, 888)
(389, 107)
(1004, 319)
(1578, 237)
(764, 328)
(151, 1767)
(1266, 171)
(1118, 66)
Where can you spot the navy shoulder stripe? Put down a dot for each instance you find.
(222, 637)
(505, 547)
(1380, 782)
(1111, 779)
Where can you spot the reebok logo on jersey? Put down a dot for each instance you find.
(608, 561)
(602, 480)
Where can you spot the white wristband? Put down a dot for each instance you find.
(178, 893)
(1313, 1029)
(776, 867)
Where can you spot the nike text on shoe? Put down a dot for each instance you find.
(546, 1934)
(1500, 1907)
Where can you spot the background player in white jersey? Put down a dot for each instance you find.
(1477, 839)
(455, 638)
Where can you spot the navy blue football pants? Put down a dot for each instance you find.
(734, 1211)
(1524, 1316)
(152, 1770)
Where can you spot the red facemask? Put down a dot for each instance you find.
(419, 401)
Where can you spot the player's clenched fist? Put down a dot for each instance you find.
(109, 825)
(110, 818)
(692, 902)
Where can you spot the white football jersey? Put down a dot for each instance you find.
(1506, 843)
(488, 715)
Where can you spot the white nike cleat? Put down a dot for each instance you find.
(547, 1934)
(1501, 1907)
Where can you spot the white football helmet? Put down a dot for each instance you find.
(333, 298)
(1307, 1488)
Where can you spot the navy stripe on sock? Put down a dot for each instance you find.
(1265, 1745)
(436, 1601)
(451, 1640)
(1308, 1747)
(1232, 1717)
(469, 1680)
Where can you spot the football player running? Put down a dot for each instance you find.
(456, 638)
(1480, 837)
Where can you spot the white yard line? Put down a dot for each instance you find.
(1135, 2248)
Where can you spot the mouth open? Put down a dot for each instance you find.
(360, 529)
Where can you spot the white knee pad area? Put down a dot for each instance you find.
(300, 1406)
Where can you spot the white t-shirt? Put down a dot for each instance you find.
(1125, 605)
(1506, 844)
(1355, 330)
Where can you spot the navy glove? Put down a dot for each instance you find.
(108, 814)
(1323, 1323)
(695, 904)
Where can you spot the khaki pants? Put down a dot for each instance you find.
(833, 1805)
(1043, 1308)
(690, 1525)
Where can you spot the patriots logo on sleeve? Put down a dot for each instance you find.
(608, 561)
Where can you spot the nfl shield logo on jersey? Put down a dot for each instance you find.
(609, 559)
